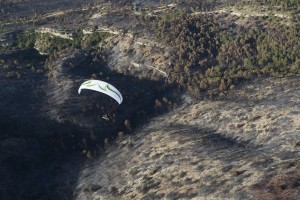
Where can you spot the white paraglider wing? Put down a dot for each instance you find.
(103, 87)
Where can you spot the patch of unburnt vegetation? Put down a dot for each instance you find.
(213, 54)
(279, 5)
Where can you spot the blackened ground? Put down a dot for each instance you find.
(45, 125)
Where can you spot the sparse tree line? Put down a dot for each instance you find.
(278, 4)
(54, 46)
(214, 54)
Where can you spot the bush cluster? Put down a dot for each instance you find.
(213, 54)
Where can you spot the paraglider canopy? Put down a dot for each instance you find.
(102, 87)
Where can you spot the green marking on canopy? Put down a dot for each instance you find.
(88, 84)
(107, 87)
(104, 89)
(113, 91)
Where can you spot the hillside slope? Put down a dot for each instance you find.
(246, 146)
(195, 125)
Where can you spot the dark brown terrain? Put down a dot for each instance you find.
(211, 100)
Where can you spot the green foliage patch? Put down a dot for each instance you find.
(210, 48)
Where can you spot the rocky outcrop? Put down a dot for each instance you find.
(140, 57)
(58, 33)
